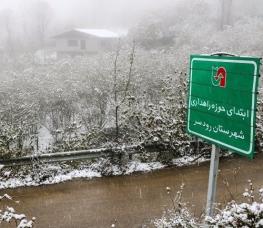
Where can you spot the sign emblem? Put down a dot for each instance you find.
(219, 76)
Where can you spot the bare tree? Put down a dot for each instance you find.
(118, 100)
(6, 27)
(38, 21)
(226, 7)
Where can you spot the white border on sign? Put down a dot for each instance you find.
(252, 106)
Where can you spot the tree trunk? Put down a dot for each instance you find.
(117, 122)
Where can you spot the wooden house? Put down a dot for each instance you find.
(84, 41)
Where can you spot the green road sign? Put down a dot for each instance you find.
(222, 101)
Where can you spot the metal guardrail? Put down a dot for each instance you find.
(53, 157)
(79, 155)
(86, 154)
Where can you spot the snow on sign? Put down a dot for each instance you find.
(222, 101)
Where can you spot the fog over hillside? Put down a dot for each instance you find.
(19, 18)
(100, 13)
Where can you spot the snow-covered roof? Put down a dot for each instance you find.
(83, 32)
(103, 33)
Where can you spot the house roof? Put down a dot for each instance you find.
(79, 32)
(99, 33)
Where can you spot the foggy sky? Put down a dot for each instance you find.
(113, 14)
(97, 13)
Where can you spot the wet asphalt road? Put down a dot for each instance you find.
(130, 201)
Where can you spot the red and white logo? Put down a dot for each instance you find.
(219, 75)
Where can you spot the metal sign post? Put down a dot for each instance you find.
(211, 193)
(222, 104)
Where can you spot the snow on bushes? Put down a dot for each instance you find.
(241, 214)
(179, 216)
(9, 215)
(246, 215)
(69, 105)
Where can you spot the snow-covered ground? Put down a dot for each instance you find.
(57, 173)
(45, 139)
